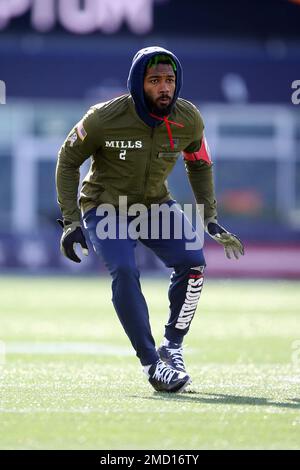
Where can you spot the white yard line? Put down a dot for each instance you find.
(65, 348)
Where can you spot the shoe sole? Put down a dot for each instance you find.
(188, 382)
(179, 390)
(174, 390)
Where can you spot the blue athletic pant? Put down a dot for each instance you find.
(127, 297)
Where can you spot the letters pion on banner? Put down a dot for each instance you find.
(85, 18)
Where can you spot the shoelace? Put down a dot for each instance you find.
(164, 372)
(177, 356)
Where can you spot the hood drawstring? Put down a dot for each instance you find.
(167, 123)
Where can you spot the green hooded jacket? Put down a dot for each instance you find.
(132, 153)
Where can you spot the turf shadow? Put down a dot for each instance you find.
(221, 399)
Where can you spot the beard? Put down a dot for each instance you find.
(160, 109)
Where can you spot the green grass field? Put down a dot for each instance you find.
(69, 379)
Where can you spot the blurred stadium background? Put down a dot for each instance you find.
(61, 345)
(240, 59)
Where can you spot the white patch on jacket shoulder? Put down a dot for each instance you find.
(72, 139)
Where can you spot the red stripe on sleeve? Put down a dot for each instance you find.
(202, 154)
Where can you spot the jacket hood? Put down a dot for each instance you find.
(135, 82)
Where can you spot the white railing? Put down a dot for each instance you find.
(280, 146)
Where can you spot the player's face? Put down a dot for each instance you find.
(159, 88)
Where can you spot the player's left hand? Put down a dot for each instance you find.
(231, 243)
(72, 234)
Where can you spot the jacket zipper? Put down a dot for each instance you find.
(148, 164)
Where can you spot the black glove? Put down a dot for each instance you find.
(231, 243)
(72, 234)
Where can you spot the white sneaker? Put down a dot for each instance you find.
(165, 378)
(172, 355)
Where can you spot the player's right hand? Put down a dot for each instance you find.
(72, 234)
(231, 243)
